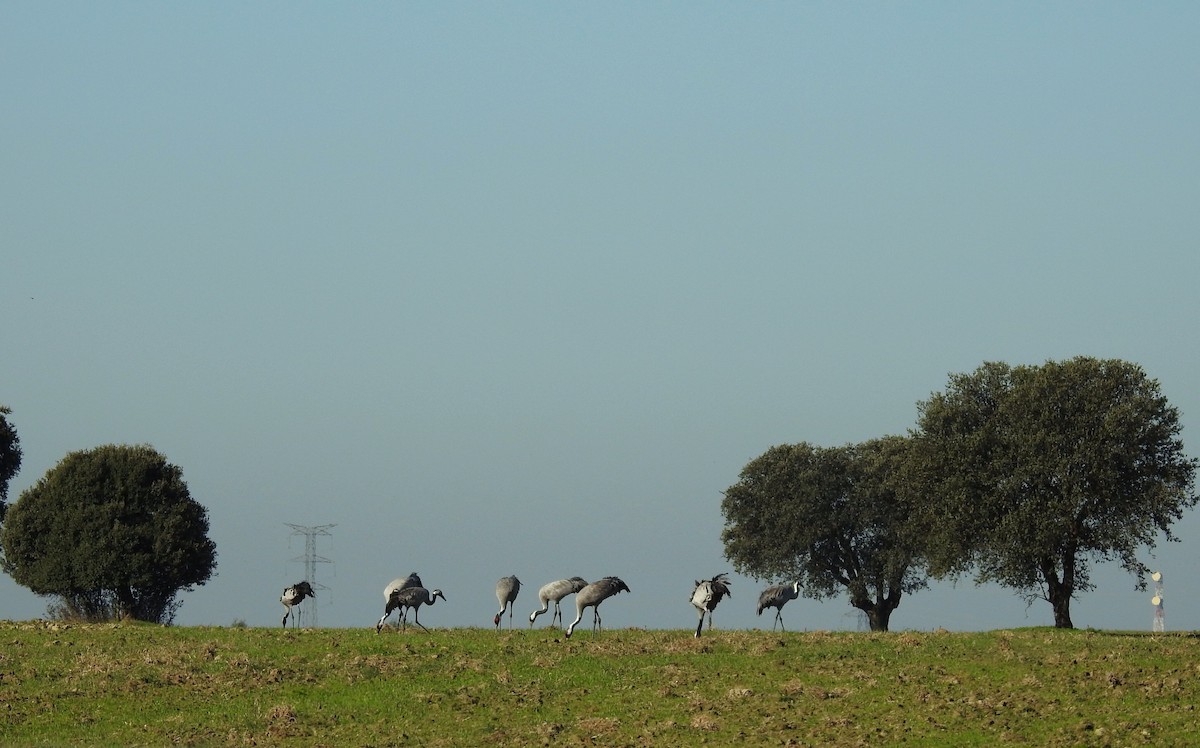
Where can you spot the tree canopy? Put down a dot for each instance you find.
(10, 456)
(1035, 472)
(112, 531)
(836, 519)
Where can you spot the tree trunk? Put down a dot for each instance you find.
(1062, 612)
(879, 610)
(125, 602)
(879, 617)
(1059, 592)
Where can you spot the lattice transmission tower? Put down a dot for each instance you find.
(310, 559)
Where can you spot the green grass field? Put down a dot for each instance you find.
(134, 684)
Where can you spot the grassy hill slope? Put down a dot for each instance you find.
(134, 684)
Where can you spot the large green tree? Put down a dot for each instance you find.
(1036, 472)
(836, 519)
(10, 456)
(112, 531)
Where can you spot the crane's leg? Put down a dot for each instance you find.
(700, 624)
(417, 618)
(557, 614)
(286, 612)
(596, 620)
(779, 617)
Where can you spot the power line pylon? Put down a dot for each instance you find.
(310, 559)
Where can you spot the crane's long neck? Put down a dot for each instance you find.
(545, 607)
(578, 618)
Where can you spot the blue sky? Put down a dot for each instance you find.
(520, 288)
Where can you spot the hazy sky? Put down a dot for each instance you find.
(519, 288)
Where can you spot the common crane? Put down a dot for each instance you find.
(293, 596)
(706, 595)
(394, 586)
(591, 596)
(555, 592)
(415, 597)
(776, 597)
(506, 594)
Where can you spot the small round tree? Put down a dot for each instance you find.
(113, 532)
(833, 518)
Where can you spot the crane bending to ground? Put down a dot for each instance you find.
(591, 596)
(555, 592)
(776, 597)
(293, 596)
(506, 594)
(414, 597)
(394, 586)
(706, 595)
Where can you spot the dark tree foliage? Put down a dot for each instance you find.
(110, 531)
(834, 518)
(10, 456)
(1034, 472)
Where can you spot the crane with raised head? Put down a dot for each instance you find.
(394, 586)
(415, 597)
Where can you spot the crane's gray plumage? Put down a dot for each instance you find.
(399, 583)
(776, 597)
(555, 592)
(293, 596)
(706, 595)
(394, 586)
(412, 597)
(591, 596)
(506, 594)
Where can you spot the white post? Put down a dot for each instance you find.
(1160, 618)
